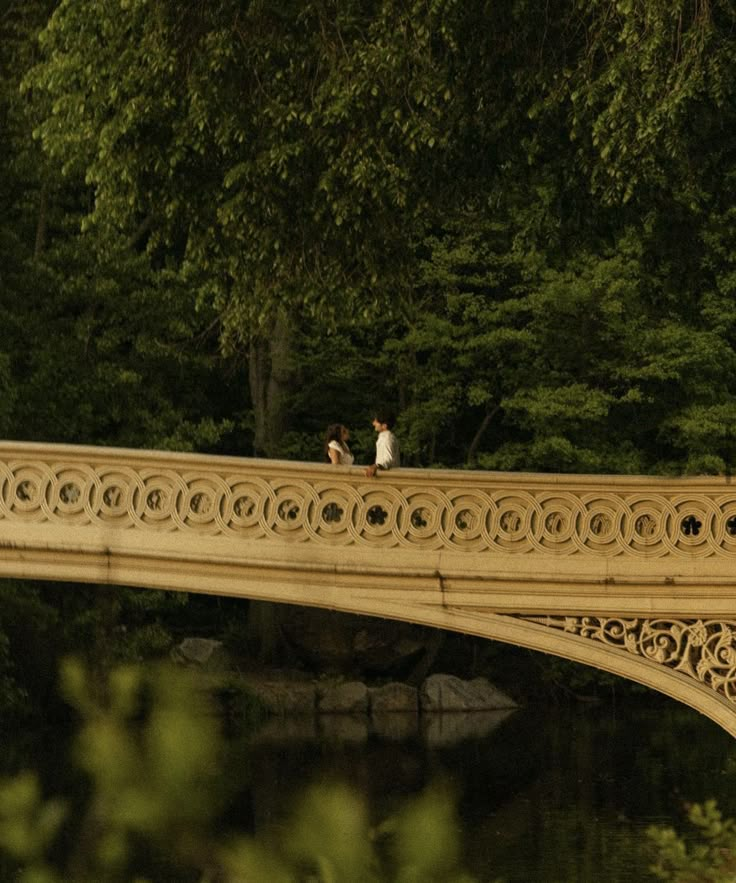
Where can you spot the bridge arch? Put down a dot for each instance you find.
(632, 575)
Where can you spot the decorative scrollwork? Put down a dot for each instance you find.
(703, 649)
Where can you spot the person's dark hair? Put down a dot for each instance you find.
(334, 433)
(384, 417)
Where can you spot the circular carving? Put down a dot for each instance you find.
(691, 527)
(26, 491)
(110, 496)
(290, 511)
(464, 521)
(376, 520)
(242, 507)
(69, 497)
(344, 509)
(555, 526)
(156, 500)
(647, 527)
(334, 515)
(511, 523)
(419, 516)
(600, 525)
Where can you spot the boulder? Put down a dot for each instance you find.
(393, 697)
(442, 692)
(350, 697)
(351, 645)
(202, 653)
(283, 696)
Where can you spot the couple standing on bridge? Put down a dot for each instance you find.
(338, 453)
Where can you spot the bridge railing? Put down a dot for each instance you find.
(420, 509)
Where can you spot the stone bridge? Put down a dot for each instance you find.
(633, 575)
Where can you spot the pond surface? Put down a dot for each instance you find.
(555, 795)
(560, 796)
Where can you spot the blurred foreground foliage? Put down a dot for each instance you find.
(706, 854)
(155, 794)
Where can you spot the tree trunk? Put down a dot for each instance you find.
(271, 373)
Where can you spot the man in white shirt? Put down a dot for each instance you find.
(387, 446)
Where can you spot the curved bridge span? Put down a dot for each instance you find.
(633, 575)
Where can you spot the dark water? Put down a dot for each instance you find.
(555, 795)
(560, 796)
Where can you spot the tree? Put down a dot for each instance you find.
(709, 857)
(282, 156)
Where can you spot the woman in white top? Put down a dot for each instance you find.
(337, 451)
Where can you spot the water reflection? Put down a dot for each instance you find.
(557, 795)
(562, 796)
(434, 730)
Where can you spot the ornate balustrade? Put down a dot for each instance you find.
(633, 574)
(475, 512)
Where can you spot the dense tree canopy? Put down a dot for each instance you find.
(518, 225)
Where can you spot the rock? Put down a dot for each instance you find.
(352, 645)
(393, 697)
(283, 696)
(388, 648)
(201, 653)
(449, 693)
(350, 697)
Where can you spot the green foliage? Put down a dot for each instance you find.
(311, 134)
(330, 838)
(707, 855)
(519, 227)
(151, 750)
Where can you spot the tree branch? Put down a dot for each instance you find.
(485, 423)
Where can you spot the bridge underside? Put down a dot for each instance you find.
(613, 573)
